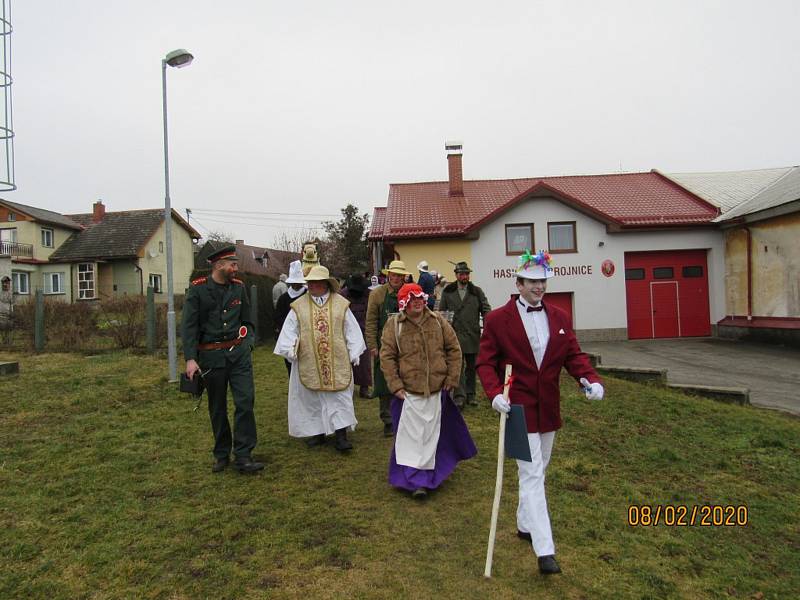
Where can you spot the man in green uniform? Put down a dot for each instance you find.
(469, 304)
(215, 309)
(382, 303)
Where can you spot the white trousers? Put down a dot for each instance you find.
(532, 516)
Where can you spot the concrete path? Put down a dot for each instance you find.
(771, 372)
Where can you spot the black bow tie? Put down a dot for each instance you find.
(534, 308)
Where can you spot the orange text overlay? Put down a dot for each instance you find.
(684, 515)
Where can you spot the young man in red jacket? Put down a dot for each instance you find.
(537, 340)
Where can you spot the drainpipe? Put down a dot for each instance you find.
(749, 274)
(141, 277)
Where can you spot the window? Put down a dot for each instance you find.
(161, 247)
(85, 281)
(12, 216)
(47, 237)
(663, 273)
(20, 283)
(692, 271)
(155, 282)
(561, 237)
(634, 274)
(519, 237)
(8, 235)
(54, 283)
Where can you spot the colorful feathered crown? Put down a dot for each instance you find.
(541, 258)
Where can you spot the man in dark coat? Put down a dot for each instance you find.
(537, 340)
(427, 282)
(357, 292)
(468, 304)
(215, 309)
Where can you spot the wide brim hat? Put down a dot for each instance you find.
(462, 267)
(295, 273)
(535, 266)
(398, 267)
(320, 273)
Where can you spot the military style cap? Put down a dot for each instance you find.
(226, 253)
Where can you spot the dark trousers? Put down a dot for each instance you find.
(288, 367)
(239, 375)
(384, 409)
(466, 387)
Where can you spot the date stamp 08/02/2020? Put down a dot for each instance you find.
(684, 515)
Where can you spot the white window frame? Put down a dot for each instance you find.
(4, 237)
(50, 278)
(45, 232)
(17, 277)
(86, 276)
(12, 217)
(155, 281)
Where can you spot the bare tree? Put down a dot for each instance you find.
(218, 235)
(292, 240)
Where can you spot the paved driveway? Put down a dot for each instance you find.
(771, 372)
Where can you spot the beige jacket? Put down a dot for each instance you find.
(423, 358)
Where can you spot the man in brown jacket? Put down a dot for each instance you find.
(381, 304)
(421, 360)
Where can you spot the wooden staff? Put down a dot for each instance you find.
(498, 487)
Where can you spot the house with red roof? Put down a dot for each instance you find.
(636, 255)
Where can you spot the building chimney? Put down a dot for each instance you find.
(454, 171)
(240, 242)
(98, 211)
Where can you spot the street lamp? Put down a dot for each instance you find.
(176, 58)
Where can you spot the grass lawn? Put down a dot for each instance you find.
(106, 492)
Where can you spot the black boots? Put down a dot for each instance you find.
(342, 444)
(245, 464)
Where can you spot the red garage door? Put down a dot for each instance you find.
(562, 300)
(667, 294)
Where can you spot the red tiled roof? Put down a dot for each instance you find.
(622, 200)
(378, 222)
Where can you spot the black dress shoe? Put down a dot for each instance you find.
(245, 464)
(524, 535)
(316, 440)
(387, 430)
(548, 565)
(220, 464)
(342, 444)
(365, 393)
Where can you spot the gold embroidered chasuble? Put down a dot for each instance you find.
(322, 356)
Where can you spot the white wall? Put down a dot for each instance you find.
(599, 301)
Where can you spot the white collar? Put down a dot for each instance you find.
(293, 293)
(526, 304)
(320, 300)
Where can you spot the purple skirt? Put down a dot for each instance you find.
(455, 444)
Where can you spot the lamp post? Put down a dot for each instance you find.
(176, 58)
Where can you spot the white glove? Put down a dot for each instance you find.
(593, 391)
(500, 404)
(355, 361)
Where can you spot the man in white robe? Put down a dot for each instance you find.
(322, 339)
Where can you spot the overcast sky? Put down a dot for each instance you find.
(306, 106)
